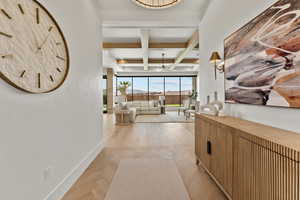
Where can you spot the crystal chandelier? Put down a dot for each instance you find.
(157, 4)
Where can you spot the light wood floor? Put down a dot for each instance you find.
(147, 140)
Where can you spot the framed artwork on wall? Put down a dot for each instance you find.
(262, 59)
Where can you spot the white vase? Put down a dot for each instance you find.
(216, 103)
(209, 108)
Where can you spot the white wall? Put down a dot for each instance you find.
(222, 19)
(60, 129)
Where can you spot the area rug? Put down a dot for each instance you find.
(169, 117)
(147, 179)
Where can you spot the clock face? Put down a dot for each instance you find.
(33, 52)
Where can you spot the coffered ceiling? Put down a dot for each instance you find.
(164, 50)
(135, 38)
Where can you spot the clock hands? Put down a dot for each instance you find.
(45, 40)
(43, 43)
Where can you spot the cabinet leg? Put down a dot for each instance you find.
(197, 162)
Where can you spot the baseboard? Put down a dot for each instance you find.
(64, 186)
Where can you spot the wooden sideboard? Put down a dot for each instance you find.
(247, 160)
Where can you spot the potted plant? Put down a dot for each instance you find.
(193, 97)
(123, 86)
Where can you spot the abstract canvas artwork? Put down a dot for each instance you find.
(262, 59)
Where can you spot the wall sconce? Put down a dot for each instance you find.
(215, 58)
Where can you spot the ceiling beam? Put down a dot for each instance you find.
(158, 45)
(157, 61)
(167, 45)
(119, 45)
(192, 44)
(144, 34)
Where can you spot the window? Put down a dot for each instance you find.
(140, 89)
(156, 87)
(172, 91)
(175, 89)
(186, 88)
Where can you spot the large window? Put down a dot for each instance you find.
(175, 89)
(187, 87)
(156, 87)
(140, 89)
(172, 91)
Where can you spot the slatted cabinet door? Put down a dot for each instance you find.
(202, 136)
(243, 171)
(219, 160)
(197, 137)
(264, 173)
(222, 156)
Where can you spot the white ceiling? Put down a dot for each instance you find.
(125, 13)
(123, 20)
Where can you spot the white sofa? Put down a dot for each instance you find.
(146, 107)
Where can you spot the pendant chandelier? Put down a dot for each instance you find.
(163, 61)
(157, 4)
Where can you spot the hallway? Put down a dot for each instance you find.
(145, 140)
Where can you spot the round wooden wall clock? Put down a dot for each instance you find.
(34, 55)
